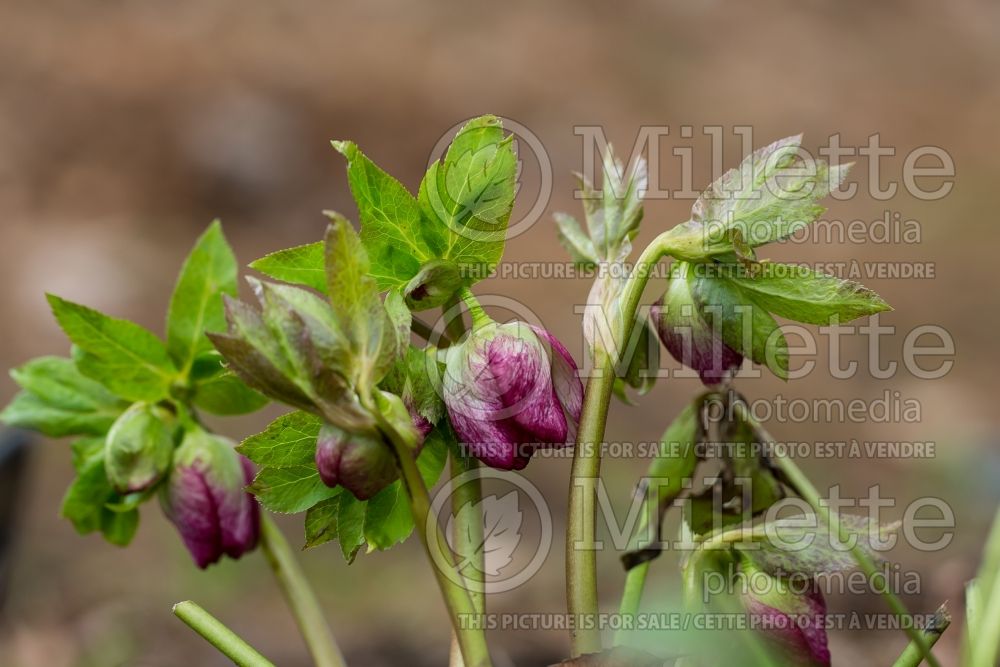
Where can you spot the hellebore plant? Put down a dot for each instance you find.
(377, 412)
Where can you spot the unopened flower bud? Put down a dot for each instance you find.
(206, 500)
(139, 447)
(362, 463)
(680, 323)
(509, 389)
(436, 282)
(791, 621)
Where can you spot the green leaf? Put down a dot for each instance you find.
(769, 196)
(301, 265)
(399, 321)
(196, 305)
(469, 196)
(746, 325)
(397, 240)
(413, 378)
(785, 547)
(85, 498)
(119, 528)
(290, 440)
(59, 401)
(226, 394)
(641, 358)
(351, 525)
(290, 489)
(798, 293)
(321, 522)
(123, 356)
(432, 457)
(614, 213)
(677, 457)
(387, 518)
(87, 501)
(577, 243)
(357, 305)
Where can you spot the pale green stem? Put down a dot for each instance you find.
(581, 556)
(635, 581)
(218, 635)
(468, 536)
(299, 596)
(479, 316)
(461, 609)
(804, 488)
(911, 655)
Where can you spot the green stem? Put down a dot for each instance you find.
(911, 655)
(479, 316)
(804, 488)
(426, 331)
(461, 609)
(454, 324)
(581, 556)
(468, 535)
(299, 596)
(219, 636)
(635, 581)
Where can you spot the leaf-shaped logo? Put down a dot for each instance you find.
(501, 519)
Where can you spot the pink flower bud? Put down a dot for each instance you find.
(205, 499)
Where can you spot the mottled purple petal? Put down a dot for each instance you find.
(799, 636)
(362, 464)
(565, 377)
(691, 341)
(205, 499)
(522, 372)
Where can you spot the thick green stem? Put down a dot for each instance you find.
(911, 655)
(468, 535)
(581, 553)
(810, 494)
(461, 609)
(299, 596)
(219, 636)
(581, 556)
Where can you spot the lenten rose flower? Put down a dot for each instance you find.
(206, 500)
(510, 389)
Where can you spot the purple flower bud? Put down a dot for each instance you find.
(139, 447)
(789, 618)
(205, 499)
(680, 323)
(361, 463)
(510, 388)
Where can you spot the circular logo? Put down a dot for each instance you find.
(495, 544)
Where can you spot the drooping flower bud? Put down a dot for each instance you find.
(433, 286)
(509, 389)
(205, 498)
(680, 323)
(139, 447)
(790, 619)
(363, 463)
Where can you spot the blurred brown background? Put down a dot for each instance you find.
(125, 127)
